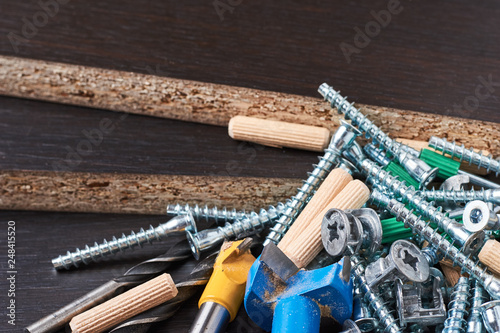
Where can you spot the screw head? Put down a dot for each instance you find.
(476, 215)
(410, 261)
(194, 244)
(335, 231)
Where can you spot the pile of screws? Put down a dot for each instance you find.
(414, 266)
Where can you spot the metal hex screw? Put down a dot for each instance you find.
(478, 216)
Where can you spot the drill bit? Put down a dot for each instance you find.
(194, 282)
(138, 274)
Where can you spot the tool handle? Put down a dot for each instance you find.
(329, 189)
(307, 242)
(124, 306)
(279, 133)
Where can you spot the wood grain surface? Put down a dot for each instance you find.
(433, 57)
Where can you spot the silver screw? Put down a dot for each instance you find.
(470, 242)
(475, 321)
(455, 322)
(474, 269)
(407, 156)
(460, 196)
(219, 215)
(342, 138)
(246, 226)
(467, 155)
(177, 225)
(387, 320)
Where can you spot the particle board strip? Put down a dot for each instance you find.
(135, 193)
(215, 103)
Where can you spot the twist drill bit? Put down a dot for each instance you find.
(194, 282)
(138, 274)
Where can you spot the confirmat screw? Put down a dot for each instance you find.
(246, 226)
(208, 214)
(341, 139)
(474, 269)
(407, 156)
(464, 154)
(461, 196)
(469, 241)
(177, 225)
(455, 322)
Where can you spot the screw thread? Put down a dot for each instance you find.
(431, 254)
(378, 305)
(252, 223)
(107, 248)
(219, 215)
(362, 122)
(408, 194)
(474, 269)
(455, 322)
(492, 196)
(465, 154)
(479, 296)
(295, 205)
(376, 154)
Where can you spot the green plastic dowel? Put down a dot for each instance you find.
(447, 166)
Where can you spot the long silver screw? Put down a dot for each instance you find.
(464, 154)
(475, 320)
(492, 196)
(455, 322)
(490, 282)
(341, 139)
(246, 226)
(469, 241)
(176, 226)
(219, 215)
(380, 310)
(407, 156)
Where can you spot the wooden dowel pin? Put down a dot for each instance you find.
(125, 306)
(279, 133)
(451, 273)
(329, 189)
(306, 237)
(489, 255)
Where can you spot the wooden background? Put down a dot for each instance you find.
(429, 58)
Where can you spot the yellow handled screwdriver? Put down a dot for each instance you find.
(225, 290)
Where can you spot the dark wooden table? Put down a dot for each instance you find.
(430, 57)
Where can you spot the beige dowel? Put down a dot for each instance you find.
(451, 273)
(308, 237)
(419, 145)
(329, 189)
(489, 255)
(124, 306)
(279, 133)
